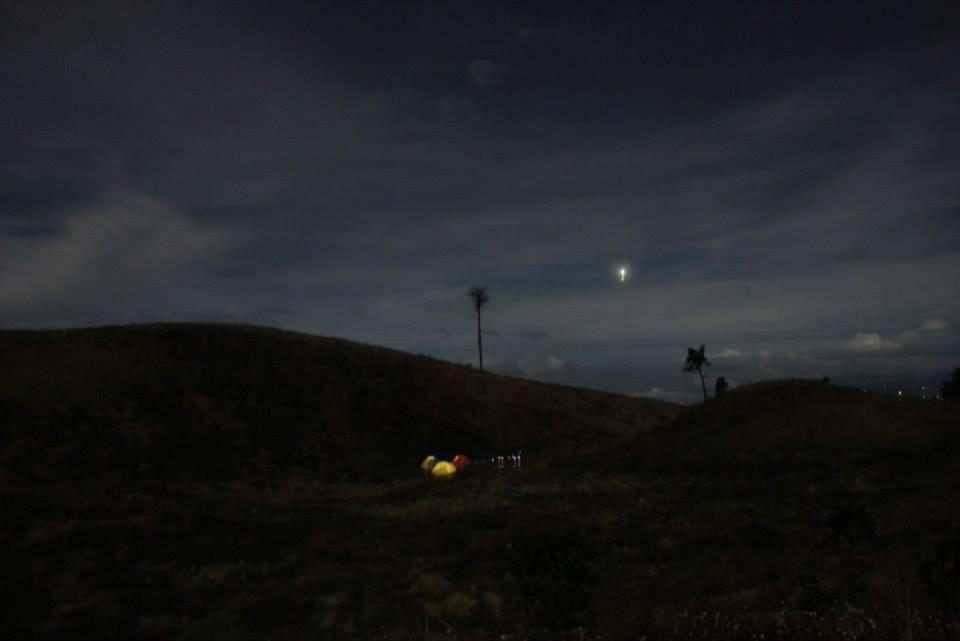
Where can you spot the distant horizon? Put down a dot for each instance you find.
(913, 387)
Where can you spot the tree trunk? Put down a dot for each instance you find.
(479, 340)
(703, 385)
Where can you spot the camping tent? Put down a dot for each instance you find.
(428, 463)
(461, 461)
(443, 470)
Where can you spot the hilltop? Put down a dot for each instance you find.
(212, 402)
(798, 420)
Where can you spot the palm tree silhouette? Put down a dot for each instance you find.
(480, 298)
(696, 359)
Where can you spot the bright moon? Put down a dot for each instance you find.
(623, 273)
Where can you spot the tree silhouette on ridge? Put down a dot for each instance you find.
(696, 359)
(480, 298)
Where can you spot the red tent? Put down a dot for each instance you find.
(461, 461)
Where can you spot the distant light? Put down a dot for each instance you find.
(623, 273)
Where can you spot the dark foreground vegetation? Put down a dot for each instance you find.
(235, 482)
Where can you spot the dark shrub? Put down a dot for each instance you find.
(941, 574)
(722, 386)
(951, 387)
(853, 523)
(556, 572)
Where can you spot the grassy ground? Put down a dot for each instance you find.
(714, 525)
(621, 553)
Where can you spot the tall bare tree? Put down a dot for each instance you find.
(480, 298)
(696, 359)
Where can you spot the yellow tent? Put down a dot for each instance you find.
(443, 470)
(428, 463)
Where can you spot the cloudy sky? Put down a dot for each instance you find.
(782, 180)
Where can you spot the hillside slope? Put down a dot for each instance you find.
(783, 510)
(208, 401)
(799, 419)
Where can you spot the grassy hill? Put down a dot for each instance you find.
(216, 402)
(788, 509)
(799, 421)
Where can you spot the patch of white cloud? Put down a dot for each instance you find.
(538, 366)
(870, 342)
(554, 364)
(934, 333)
(125, 249)
(663, 394)
(730, 353)
(935, 325)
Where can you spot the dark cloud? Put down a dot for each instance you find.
(526, 36)
(533, 333)
(780, 182)
(484, 72)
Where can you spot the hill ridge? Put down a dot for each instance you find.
(228, 398)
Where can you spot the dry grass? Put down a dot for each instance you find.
(713, 525)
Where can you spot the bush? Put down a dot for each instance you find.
(853, 523)
(941, 574)
(950, 391)
(556, 572)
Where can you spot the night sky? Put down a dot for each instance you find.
(783, 180)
